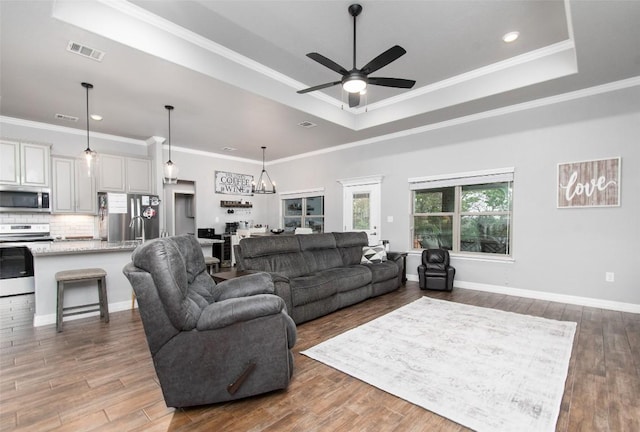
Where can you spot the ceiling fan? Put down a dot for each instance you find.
(356, 80)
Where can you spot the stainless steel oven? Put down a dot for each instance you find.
(16, 260)
(25, 199)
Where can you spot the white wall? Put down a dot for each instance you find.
(560, 251)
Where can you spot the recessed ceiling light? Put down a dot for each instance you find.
(307, 124)
(96, 117)
(229, 149)
(511, 36)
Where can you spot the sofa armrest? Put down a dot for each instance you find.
(244, 286)
(394, 256)
(282, 286)
(224, 313)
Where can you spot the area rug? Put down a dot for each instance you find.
(486, 369)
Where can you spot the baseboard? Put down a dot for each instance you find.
(542, 295)
(41, 320)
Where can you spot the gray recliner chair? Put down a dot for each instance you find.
(209, 343)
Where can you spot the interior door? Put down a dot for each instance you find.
(362, 210)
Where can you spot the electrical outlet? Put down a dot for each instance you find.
(609, 277)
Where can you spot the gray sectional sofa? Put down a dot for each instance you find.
(317, 274)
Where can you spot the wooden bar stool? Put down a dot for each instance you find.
(82, 275)
(212, 263)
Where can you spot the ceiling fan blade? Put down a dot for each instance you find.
(318, 87)
(354, 99)
(328, 63)
(392, 82)
(383, 59)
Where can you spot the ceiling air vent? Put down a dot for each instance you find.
(307, 124)
(85, 51)
(229, 149)
(66, 117)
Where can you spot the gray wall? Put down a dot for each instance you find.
(560, 251)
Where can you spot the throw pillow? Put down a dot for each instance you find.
(373, 254)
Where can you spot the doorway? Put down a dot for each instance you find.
(181, 209)
(185, 222)
(361, 204)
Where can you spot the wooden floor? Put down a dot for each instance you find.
(97, 376)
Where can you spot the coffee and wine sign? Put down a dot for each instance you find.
(593, 183)
(232, 183)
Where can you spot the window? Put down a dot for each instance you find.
(303, 212)
(466, 213)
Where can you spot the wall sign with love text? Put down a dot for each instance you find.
(593, 183)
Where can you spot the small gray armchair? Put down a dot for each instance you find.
(209, 343)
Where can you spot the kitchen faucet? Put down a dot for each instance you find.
(131, 225)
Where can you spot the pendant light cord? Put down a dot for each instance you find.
(169, 108)
(87, 86)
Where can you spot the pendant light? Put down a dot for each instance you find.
(265, 185)
(170, 169)
(90, 156)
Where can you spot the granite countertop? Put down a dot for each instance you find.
(209, 242)
(66, 247)
(70, 247)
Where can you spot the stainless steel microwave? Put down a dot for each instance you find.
(25, 199)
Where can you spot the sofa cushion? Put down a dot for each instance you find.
(253, 247)
(383, 271)
(276, 254)
(310, 288)
(286, 264)
(350, 278)
(320, 251)
(350, 246)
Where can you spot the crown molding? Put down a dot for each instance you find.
(68, 130)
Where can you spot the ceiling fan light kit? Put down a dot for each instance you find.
(356, 80)
(354, 83)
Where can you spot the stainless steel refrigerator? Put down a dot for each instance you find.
(126, 216)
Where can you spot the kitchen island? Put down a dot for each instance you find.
(49, 258)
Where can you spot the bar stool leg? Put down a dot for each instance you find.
(60, 292)
(104, 304)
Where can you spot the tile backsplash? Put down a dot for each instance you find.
(60, 225)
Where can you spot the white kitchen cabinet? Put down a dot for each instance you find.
(72, 190)
(111, 173)
(25, 164)
(124, 174)
(139, 176)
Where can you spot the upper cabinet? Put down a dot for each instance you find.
(124, 174)
(73, 191)
(25, 164)
(139, 176)
(111, 173)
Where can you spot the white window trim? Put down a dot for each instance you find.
(361, 181)
(459, 179)
(303, 193)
